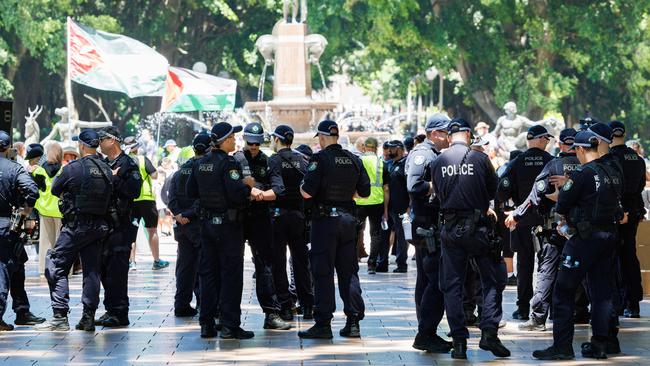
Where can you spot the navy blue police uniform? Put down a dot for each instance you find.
(634, 169)
(333, 177)
(84, 188)
(516, 183)
(216, 182)
(187, 235)
(16, 189)
(590, 203)
(258, 229)
(398, 205)
(127, 185)
(429, 304)
(465, 182)
(289, 228)
(551, 243)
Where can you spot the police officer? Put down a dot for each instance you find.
(465, 182)
(398, 202)
(634, 169)
(516, 183)
(187, 230)
(16, 189)
(589, 206)
(127, 185)
(429, 304)
(553, 175)
(334, 176)
(216, 182)
(258, 228)
(289, 226)
(84, 188)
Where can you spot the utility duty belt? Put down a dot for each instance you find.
(323, 210)
(585, 229)
(217, 218)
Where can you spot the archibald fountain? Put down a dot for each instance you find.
(292, 51)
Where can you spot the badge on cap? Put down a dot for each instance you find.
(541, 186)
(419, 160)
(234, 174)
(567, 186)
(255, 128)
(312, 166)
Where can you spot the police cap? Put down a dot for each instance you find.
(90, 137)
(110, 132)
(537, 131)
(327, 128)
(5, 140)
(437, 122)
(458, 125)
(585, 139)
(254, 133)
(201, 142)
(130, 142)
(283, 132)
(34, 151)
(222, 130)
(567, 136)
(409, 142)
(602, 131)
(305, 150)
(618, 128)
(394, 143)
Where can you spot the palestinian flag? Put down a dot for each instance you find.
(189, 91)
(114, 62)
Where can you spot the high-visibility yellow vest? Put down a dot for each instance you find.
(47, 204)
(146, 193)
(375, 168)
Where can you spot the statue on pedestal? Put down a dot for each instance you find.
(293, 4)
(32, 130)
(66, 127)
(511, 129)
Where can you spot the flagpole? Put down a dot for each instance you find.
(72, 112)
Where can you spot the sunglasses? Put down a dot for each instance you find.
(253, 143)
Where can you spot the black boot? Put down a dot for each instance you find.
(520, 314)
(286, 314)
(460, 349)
(113, 320)
(273, 321)
(351, 329)
(491, 342)
(235, 333)
(27, 318)
(208, 330)
(594, 349)
(431, 343)
(87, 321)
(318, 331)
(555, 353)
(4, 327)
(185, 312)
(612, 347)
(308, 313)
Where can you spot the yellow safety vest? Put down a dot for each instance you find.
(146, 193)
(47, 204)
(375, 168)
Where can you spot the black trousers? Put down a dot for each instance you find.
(258, 230)
(221, 273)
(115, 269)
(82, 238)
(289, 230)
(378, 238)
(595, 257)
(630, 270)
(9, 264)
(429, 301)
(521, 242)
(187, 263)
(548, 261)
(333, 247)
(19, 300)
(458, 246)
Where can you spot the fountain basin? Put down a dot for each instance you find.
(302, 114)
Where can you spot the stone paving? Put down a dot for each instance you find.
(156, 337)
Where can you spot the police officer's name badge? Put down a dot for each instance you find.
(567, 185)
(312, 166)
(418, 160)
(234, 174)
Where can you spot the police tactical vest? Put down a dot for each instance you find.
(341, 174)
(146, 193)
(47, 203)
(95, 189)
(633, 170)
(212, 195)
(604, 208)
(292, 174)
(182, 177)
(375, 168)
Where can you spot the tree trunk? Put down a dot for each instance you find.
(484, 99)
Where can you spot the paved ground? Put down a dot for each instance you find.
(156, 337)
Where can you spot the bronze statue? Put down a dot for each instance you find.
(293, 4)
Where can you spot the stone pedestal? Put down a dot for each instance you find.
(292, 73)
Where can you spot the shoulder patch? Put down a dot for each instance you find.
(234, 174)
(312, 166)
(418, 160)
(506, 182)
(541, 186)
(136, 175)
(567, 186)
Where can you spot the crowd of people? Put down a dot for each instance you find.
(446, 192)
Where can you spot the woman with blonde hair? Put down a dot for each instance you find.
(47, 204)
